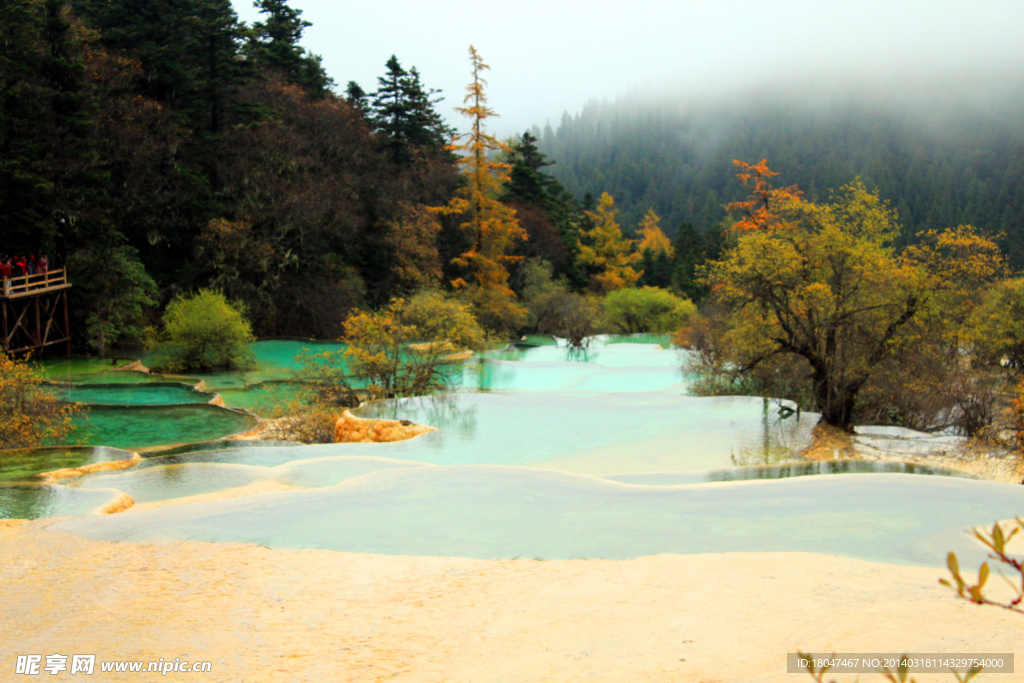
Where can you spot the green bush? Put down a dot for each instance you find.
(646, 310)
(203, 331)
(444, 319)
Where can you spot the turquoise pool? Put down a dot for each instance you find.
(134, 427)
(126, 394)
(543, 452)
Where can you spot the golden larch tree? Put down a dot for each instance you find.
(491, 225)
(605, 251)
(651, 236)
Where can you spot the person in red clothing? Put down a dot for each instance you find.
(5, 273)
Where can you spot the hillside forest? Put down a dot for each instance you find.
(167, 148)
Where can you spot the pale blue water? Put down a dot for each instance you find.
(546, 452)
(501, 512)
(176, 481)
(597, 433)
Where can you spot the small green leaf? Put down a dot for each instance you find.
(953, 565)
(982, 575)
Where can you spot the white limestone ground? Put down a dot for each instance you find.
(262, 615)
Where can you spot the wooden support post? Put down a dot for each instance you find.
(38, 337)
(67, 325)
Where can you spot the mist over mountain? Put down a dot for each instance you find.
(944, 150)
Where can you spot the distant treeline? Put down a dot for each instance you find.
(939, 166)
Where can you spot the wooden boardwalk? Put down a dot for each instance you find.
(34, 312)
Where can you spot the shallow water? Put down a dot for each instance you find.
(545, 452)
(27, 462)
(154, 484)
(276, 359)
(502, 512)
(150, 393)
(598, 433)
(261, 398)
(134, 427)
(32, 501)
(795, 469)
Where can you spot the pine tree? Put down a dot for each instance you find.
(690, 251)
(548, 213)
(274, 44)
(403, 113)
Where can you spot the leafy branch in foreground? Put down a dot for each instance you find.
(996, 541)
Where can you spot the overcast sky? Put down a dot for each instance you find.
(553, 56)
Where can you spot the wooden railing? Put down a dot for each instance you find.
(28, 283)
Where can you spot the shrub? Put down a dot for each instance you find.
(438, 317)
(496, 312)
(648, 309)
(30, 414)
(203, 331)
(406, 348)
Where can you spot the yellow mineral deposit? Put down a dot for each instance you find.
(107, 465)
(352, 429)
(120, 504)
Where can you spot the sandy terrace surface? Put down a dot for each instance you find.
(310, 615)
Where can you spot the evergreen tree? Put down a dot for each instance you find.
(188, 51)
(548, 213)
(274, 44)
(25, 185)
(403, 113)
(357, 97)
(690, 251)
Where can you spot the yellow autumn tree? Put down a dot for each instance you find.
(606, 252)
(822, 287)
(651, 236)
(30, 414)
(492, 226)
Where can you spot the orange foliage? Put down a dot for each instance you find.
(491, 224)
(759, 208)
